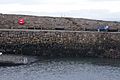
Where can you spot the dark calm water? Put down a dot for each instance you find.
(64, 69)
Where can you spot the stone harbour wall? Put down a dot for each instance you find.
(61, 43)
(58, 36)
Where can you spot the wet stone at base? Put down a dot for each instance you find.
(16, 59)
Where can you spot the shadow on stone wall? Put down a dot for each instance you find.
(60, 50)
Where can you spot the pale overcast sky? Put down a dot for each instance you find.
(94, 9)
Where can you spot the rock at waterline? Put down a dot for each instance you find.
(16, 59)
(0, 53)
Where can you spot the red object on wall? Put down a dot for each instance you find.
(21, 21)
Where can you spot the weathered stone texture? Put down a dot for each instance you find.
(62, 43)
(67, 42)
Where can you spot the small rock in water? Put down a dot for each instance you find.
(17, 59)
(0, 53)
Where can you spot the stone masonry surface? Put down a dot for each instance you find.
(39, 37)
(62, 43)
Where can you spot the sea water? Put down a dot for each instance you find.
(64, 69)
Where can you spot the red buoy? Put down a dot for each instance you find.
(21, 21)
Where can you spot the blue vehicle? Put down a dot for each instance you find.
(103, 28)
